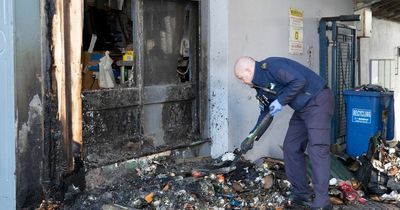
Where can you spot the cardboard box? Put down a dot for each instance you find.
(90, 67)
(89, 81)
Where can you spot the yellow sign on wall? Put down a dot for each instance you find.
(296, 22)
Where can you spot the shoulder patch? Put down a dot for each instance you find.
(264, 65)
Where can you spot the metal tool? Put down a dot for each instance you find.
(255, 136)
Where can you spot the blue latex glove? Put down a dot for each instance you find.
(275, 107)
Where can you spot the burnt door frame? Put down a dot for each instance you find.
(67, 26)
(168, 93)
(61, 42)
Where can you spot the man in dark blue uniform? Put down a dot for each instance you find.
(309, 128)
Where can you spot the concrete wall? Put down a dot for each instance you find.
(218, 76)
(382, 45)
(258, 28)
(28, 101)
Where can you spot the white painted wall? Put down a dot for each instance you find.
(218, 76)
(382, 45)
(258, 28)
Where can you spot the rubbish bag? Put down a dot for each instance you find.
(371, 87)
(393, 184)
(363, 174)
(106, 76)
(373, 181)
(378, 182)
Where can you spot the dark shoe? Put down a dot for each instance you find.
(298, 201)
(327, 207)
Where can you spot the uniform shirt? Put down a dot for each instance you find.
(294, 83)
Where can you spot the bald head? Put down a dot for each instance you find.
(244, 69)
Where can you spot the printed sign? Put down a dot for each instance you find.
(361, 116)
(295, 31)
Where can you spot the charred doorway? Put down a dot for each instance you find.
(146, 100)
(121, 81)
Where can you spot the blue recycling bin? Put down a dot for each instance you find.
(364, 118)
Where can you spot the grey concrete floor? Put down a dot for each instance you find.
(371, 205)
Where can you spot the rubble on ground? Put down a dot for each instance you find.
(385, 174)
(378, 172)
(163, 182)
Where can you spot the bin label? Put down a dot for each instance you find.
(361, 116)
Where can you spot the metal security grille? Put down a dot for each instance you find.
(344, 78)
(338, 41)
